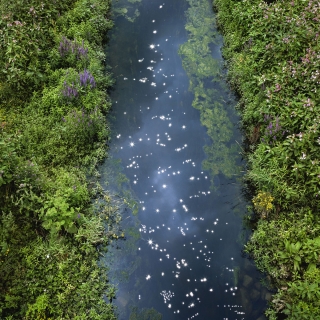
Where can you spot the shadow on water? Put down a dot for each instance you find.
(175, 132)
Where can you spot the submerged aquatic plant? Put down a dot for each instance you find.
(204, 72)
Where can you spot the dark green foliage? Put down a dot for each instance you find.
(53, 210)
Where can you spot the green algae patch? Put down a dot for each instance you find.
(209, 89)
(145, 314)
(129, 9)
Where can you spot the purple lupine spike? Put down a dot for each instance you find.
(92, 82)
(61, 49)
(82, 81)
(86, 78)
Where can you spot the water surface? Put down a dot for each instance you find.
(182, 254)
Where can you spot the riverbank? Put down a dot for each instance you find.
(272, 51)
(54, 133)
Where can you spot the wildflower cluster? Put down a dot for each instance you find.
(69, 91)
(67, 46)
(273, 130)
(81, 81)
(263, 202)
(87, 78)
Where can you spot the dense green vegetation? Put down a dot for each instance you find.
(273, 50)
(55, 218)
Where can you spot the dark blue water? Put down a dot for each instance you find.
(187, 262)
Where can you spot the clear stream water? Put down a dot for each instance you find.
(182, 257)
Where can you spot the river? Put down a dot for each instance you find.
(182, 257)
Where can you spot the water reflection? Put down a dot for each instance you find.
(188, 261)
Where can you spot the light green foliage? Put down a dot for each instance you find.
(87, 21)
(57, 214)
(209, 91)
(39, 309)
(272, 50)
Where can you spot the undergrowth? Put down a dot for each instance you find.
(272, 49)
(55, 218)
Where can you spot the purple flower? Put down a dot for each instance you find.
(68, 46)
(278, 87)
(87, 78)
(69, 91)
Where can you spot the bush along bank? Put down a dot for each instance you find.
(55, 218)
(273, 53)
